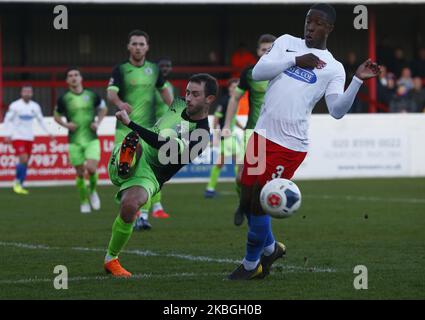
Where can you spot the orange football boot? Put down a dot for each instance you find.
(129, 147)
(160, 214)
(114, 267)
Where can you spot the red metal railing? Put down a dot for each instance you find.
(56, 76)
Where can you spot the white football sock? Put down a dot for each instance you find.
(250, 265)
(144, 215)
(109, 258)
(269, 249)
(157, 206)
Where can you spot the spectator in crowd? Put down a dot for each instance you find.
(418, 94)
(398, 62)
(386, 86)
(241, 59)
(406, 79)
(402, 102)
(418, 65)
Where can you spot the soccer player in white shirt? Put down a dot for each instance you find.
(301, 72)
(19, 130)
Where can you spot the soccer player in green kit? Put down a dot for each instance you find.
(132, 88)
(256, 91)
(165, 66)
(141, 168)
(80, 106)
(228, 147)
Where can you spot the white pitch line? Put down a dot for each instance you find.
(148, 253)
(350, 198)
(101, 278)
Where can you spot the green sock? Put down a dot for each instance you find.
(93, 182)
(121, 233)
(215, 173)
(81, 186)
(156, 198)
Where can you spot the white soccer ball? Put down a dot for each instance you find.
(280, 198)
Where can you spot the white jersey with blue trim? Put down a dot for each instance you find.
(19, 120)
(293, 92)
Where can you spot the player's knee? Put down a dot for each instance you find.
(91, 169)
(128, 210)
(130, 204)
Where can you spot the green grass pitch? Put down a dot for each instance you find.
(378, 223)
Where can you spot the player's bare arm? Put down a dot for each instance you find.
(307, 61)
(166, 96)
(101, 114)
(368, 69)
(116, 101)
(230, 113)
(68, 125)
(123, 117)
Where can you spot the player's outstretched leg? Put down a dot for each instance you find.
(82, 190)
(258, 223)
(21, 174)
(131, 200)
(212, 183)
(93, 178)
(157, 209)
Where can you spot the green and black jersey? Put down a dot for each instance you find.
(256, 91)
(191, 137)
(221, 111)
(136, 86)
(80, 109)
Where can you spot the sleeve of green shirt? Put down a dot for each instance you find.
(99, 103)
(160, 82)
(60, 107)
(243, 81)
(116, 81)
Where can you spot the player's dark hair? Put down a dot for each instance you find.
(138, 32)
(327, 9)
(210, 83)
(266, 38)
(73, 68)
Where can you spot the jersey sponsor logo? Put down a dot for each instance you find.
(26, 117)
(86, 98)
(301, 74)
(148, 71)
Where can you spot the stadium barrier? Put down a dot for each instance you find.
(359, 145)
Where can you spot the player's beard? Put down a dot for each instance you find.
(195, 110)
